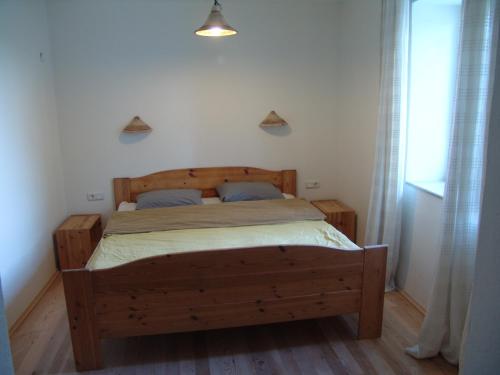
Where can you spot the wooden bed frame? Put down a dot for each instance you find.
(219, 288)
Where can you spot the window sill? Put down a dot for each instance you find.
(435, 188)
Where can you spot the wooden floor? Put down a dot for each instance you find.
(326, 346)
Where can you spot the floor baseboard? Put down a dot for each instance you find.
(410, 299)
(33, 304)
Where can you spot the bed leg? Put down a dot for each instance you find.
(81, 317)
(372, 297)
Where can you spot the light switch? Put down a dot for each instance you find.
(95, 196)
(312, 184)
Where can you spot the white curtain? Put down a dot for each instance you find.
(443, 328)
(384, 215)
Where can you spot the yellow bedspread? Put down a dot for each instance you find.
(119, 249)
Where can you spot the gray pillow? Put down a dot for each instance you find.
(248, 191)
(168, 198)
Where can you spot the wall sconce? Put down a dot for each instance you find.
(137, 126)
(273, 120)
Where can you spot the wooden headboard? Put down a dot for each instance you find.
(205, 179)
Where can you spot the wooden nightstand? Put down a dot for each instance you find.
(76, 240)
(340, 216)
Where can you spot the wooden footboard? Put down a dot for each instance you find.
(220, 289)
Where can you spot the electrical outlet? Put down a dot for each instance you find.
(312, 184)
(95, 196)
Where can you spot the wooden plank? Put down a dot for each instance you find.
(121, 190)
(232, 262)
(289, 185)
(244, 289)
(344, 276)
(186, 318)
(81, 318)
(372, 301)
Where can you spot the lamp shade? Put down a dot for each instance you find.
(216, 25)
(137, 126)
(273, 120)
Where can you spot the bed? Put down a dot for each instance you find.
(219, 288)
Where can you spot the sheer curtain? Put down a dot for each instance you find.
(443, 328)
(384, 215)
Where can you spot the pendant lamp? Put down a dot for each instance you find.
(216, 25)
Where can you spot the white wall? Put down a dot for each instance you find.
(482, 345)
(420, 243)
(357, 92)
(315, 62)
(31, 182)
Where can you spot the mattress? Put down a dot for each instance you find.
(119, 249)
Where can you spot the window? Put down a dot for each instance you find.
(435, 26)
